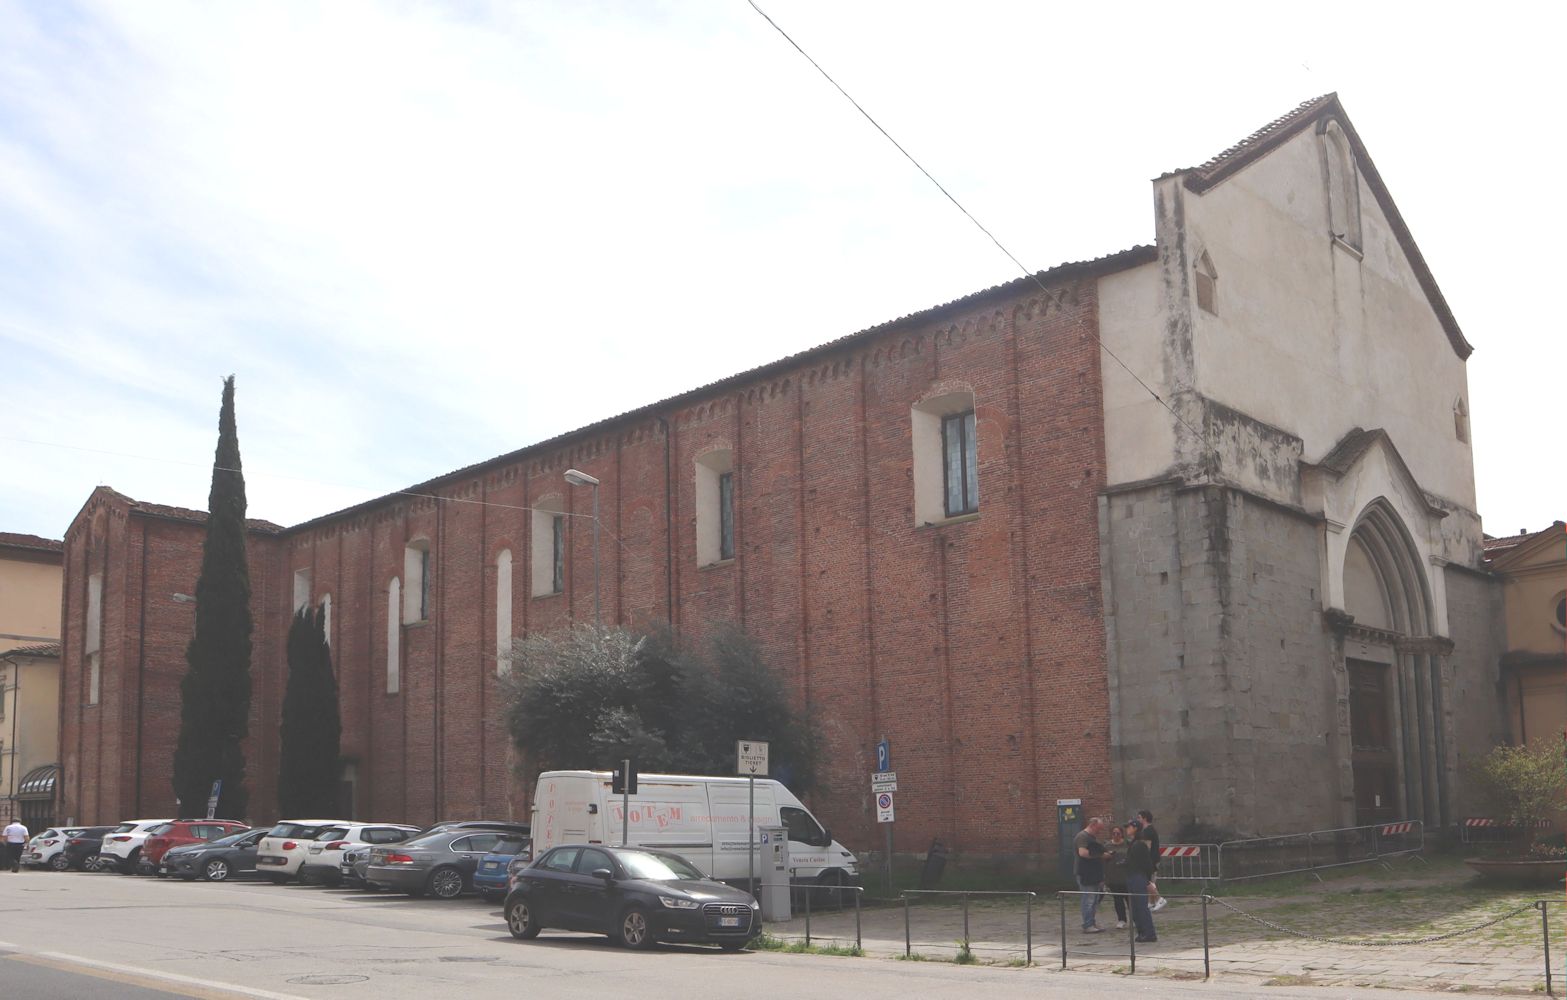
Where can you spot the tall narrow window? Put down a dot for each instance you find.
(416, 571)
(960, 463)
(301, 589)
(726, 516)
(1207, 284)
(503, 612)
(326, 617)
(1343, 187)
(547, 546)
(558, 551)
(94, 644)
(1461, 420)
(715, 507)
(394, 637)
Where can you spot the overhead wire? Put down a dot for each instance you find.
(1034, 275)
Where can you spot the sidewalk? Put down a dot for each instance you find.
(1504, 958)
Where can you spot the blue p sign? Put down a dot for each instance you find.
(884, 756)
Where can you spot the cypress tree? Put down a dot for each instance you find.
(311, 730)
(215, 692)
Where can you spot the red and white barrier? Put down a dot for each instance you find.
(1395, 828)
(1180, 851)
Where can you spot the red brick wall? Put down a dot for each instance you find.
(977, 647)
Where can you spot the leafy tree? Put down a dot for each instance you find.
(588, 697)
(1526, 783)
(311, 730)
(215, 692)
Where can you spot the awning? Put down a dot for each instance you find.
(39, 782)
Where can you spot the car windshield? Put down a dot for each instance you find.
(510, 845)
(429, 840)
(296, 830)
(125, 828)
(658, 867)
(161, 828)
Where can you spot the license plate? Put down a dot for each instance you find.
(492, 864)
(729, 921)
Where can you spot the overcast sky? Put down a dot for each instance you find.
(422, 235)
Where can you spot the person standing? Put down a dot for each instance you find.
(1088, 866)
(1139, 873)
(1115, 872)
(15, 835)
(1151, 834)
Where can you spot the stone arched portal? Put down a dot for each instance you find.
(1391, 679)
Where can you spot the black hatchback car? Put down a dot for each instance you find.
(635, 896)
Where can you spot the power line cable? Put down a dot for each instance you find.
(967, 214)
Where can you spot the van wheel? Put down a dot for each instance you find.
(635, 931)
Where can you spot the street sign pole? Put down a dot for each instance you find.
(884, 762)
(625, 789)
(751, 761)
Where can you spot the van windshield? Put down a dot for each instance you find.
(803, 828)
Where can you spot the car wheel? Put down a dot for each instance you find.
(91, 863)
(519, 920)
(59, 862)
(216, 870)
(446, 883)
(635, 931)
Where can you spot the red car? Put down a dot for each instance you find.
(179, 833)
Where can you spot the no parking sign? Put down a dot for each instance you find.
(884, 807)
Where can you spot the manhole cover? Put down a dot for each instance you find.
(326, 980)
(466, 958)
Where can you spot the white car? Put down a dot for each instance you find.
(283, 849)
(324, 855)
(48, 845)
(121, 848)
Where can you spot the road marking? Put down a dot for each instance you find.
(169, 982)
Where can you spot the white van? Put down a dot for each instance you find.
(702, 819)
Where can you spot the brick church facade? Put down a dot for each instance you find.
(958, 530)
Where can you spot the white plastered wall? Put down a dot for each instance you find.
(1312, 340)
(1139, 431)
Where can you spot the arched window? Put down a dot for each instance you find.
(394, 637)
(503, 613)
(1343, 187)
(1461, 420)
(1207, 284)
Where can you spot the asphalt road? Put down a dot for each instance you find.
(84, 937)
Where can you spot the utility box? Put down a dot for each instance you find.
(1069, 823)
(774, 844)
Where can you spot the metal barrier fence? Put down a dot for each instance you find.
(1189, 862)
(1131, 925)
(1478, 830)
(1258, 857)
(1028, 917)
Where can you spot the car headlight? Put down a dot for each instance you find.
(674, 903)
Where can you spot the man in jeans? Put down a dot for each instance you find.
(1090, 871)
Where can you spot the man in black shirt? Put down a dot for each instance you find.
(1088, 865)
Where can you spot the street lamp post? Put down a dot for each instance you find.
(576, 478)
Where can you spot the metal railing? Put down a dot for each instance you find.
(1258, 857)
(857, 891)
(1484, 830)
(1131, 925)
(1028, 917)
(1542, 906)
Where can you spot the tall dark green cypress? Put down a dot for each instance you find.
(311, 729)
(215, 693)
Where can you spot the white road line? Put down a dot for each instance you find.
(171, 977)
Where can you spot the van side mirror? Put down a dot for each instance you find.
(827, 836)
(604, 873)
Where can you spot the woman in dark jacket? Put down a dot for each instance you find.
(1115, 871)
(1139, 872)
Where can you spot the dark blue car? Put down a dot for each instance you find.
(492, 879)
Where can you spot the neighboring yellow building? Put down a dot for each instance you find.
(1533, 570)
(30, 581)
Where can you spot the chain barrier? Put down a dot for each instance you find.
(1351, 942)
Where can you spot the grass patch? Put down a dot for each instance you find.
(912, 956)
(767, 942)
(965, 955)
(1290, 979)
